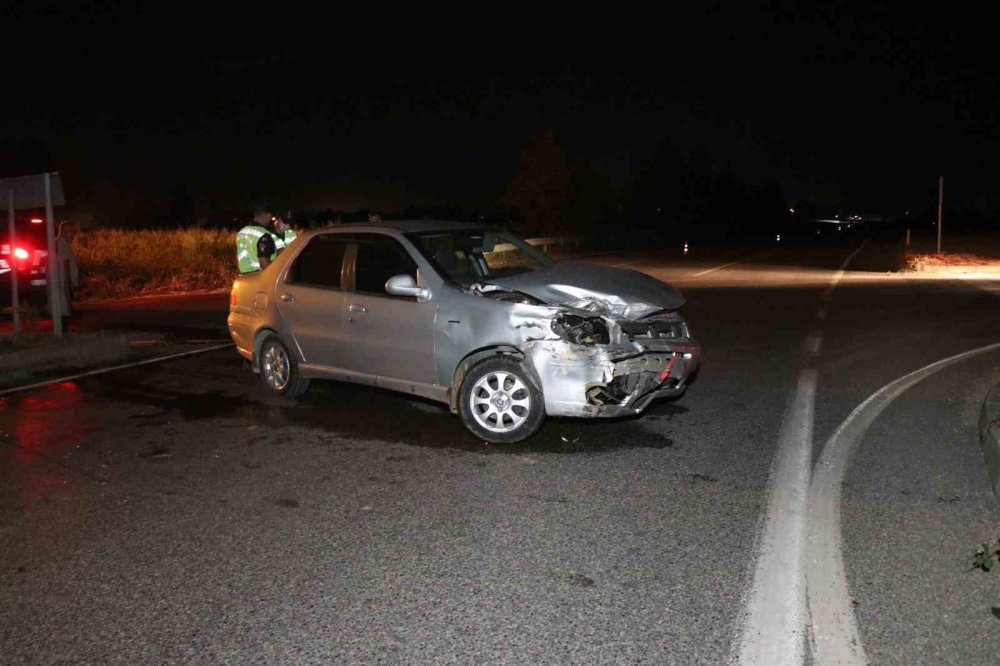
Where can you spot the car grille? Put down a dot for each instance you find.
(658, 329)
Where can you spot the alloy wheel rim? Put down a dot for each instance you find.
(500, 402)
(276, 367)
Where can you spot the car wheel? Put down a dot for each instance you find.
(279, 371)
(498, 403)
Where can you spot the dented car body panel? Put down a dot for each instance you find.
(597, 341)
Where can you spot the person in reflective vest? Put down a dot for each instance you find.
(259, 243)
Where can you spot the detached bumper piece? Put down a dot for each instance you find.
(639, 380)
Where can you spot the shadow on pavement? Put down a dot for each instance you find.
(361, 412)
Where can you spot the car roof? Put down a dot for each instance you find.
(409, 226)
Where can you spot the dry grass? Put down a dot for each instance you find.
(963, 253)
(938, 262)
(117, 262)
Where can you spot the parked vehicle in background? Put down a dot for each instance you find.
(467, 315)
(28, 256)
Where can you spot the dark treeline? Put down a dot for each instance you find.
(672, 193)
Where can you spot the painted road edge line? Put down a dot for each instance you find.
(833, 624)
(773, 628)
(101, 371)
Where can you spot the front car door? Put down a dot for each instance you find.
(312, 301)
(391, 336)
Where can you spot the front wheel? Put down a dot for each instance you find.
(499, 404)
(279, 371)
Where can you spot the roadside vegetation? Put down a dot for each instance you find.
(962, 253)
(116, 263)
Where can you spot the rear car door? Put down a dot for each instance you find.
(311, 299)
(391, 336)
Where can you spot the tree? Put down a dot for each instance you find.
(538, 189)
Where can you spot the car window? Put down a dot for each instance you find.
(380, 258)
(465, 257)
(319, 264)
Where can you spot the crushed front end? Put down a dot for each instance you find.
(607, 366)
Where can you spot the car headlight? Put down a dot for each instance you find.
(581, 330)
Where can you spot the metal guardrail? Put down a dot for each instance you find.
(562, 241)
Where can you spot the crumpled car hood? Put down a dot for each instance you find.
(600, 289)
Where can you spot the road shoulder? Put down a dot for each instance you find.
(915, 507)
(989, 436)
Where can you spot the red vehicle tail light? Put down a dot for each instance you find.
(21, 253)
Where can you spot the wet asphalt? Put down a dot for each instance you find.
(176, 513)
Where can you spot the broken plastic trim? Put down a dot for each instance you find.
(598, 395)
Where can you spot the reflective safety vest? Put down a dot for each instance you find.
(246, 245)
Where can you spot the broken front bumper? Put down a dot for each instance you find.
(611, 380)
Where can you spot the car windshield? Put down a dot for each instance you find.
(466, 257)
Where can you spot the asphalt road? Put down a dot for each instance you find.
(176, 513)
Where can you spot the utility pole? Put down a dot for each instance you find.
(940, 209)
(53, 268)
(12, 262)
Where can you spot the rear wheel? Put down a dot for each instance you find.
(499, 404)
(279, 371)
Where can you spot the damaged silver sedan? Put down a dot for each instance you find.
(472, 317)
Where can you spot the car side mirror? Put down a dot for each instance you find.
(405, 285)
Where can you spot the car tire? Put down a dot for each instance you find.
(499, 403)
(278, 370)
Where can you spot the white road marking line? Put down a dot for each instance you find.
(774, 625)
(813, 343)
(101, 371)
(834, 626)
(840, 271)
(718, 268)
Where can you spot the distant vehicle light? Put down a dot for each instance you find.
(792, 211)
(685, 248)
(778, 238)
(37, 220)
(21, 253)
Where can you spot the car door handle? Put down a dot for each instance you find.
(354, 307)
(288, 298)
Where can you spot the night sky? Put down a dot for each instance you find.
(847, 104)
